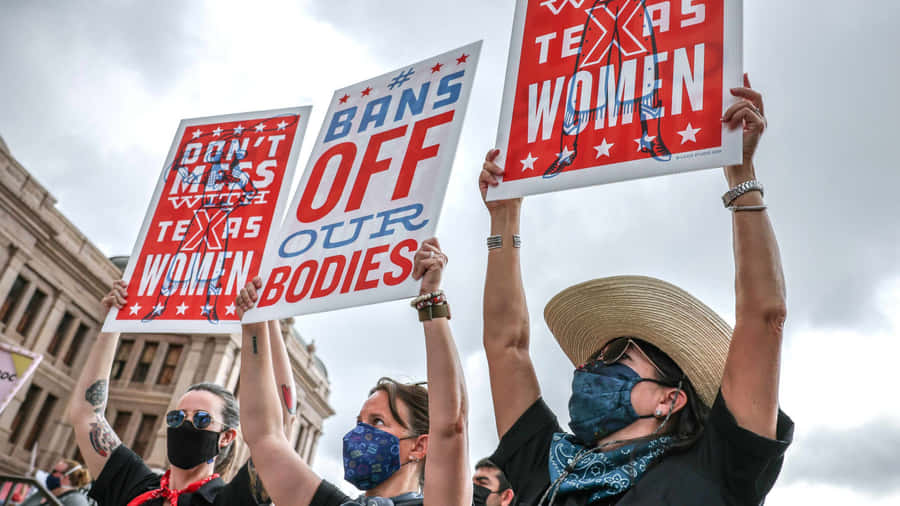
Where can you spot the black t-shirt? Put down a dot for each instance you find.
(125, 476)
(728, 465)
(328, 495)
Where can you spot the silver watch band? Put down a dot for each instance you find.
(742, 188)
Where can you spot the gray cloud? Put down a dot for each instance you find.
(863, 458)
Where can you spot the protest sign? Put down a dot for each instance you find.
(16, 367)
(223, 185)
(372, 190)
(607, 90)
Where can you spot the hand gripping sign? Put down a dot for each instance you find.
(372, 190)
(223, 185)
(16, 367)
(607, 90)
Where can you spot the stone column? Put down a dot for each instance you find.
(54, 317)
(11, 270)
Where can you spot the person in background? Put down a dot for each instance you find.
(410, 444)
(66, 480)
(491, 486)
(200, 439)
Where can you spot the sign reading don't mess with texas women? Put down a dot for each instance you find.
(204, 233)
(607, 90)
(372, 190)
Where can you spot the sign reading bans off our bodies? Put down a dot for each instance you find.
(607, 90)
(372, 190)
(224, 183)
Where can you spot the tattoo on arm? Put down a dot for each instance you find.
(289, 403)
(255, 352)
(96, 395)
(103, 439)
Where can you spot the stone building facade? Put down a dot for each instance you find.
(51, 281)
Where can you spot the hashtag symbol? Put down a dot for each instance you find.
(401, 78)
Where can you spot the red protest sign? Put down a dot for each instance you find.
(372, 190)
(608, 90)
(208, 223)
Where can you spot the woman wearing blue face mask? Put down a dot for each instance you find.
(65, 481)
(669, 405)
(404, 433)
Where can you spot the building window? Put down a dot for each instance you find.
(43, 420)
(120, 426)
(15, 293)
(144, 361)
(61, 329)
(15, 428)
(29, 316)
(77, 341)
(144, 434)
(167, 373)
(121, 359)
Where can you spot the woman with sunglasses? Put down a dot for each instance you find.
(669, 405)
(200, 438)
(397, 437)
(65, 481)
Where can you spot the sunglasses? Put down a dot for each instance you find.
(616, 349)
(177, 417)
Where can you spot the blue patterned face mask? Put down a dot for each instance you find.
(371, 456)
(601, 400)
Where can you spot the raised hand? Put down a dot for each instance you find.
(489, 175)
(248, 296)
(117, 295)
(428, 265)
(748, 113)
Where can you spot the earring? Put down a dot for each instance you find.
(658, 412)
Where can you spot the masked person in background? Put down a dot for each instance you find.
(65, 481)
(491, 488)
(200, 437)
(409, 446)
(669, 405)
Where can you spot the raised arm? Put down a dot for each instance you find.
(750, 381)
(284, 376)
(447, 466)
(514, 384)
(96, 439)
(287, 478)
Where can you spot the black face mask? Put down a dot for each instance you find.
(189, 447)
(480, 495)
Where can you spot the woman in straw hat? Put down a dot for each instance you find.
(669, 405)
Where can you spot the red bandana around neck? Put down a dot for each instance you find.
(166, 493)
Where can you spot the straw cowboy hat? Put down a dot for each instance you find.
(586, 316)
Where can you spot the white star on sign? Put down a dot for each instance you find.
(181, 308)
(217, 132)
(158, 309)
(689, 134)
(603, 148)
(565, 154)
(528, 162)
(260, 127)
(646, 139)
(134, 309)
(229, 309)
(238, 129)
(206, 309)
(197, 133)
(282, 124)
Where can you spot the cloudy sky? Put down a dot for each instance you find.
(91, 94)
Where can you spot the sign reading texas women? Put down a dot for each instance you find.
(224, 183)
(607, 90)
(372, 190)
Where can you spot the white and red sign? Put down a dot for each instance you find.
(223, 186)
(16, 367)
(607, 90)
(372, 190)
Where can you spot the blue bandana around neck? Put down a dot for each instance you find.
(604, 473)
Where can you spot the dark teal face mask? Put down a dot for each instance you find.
(601, 400)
